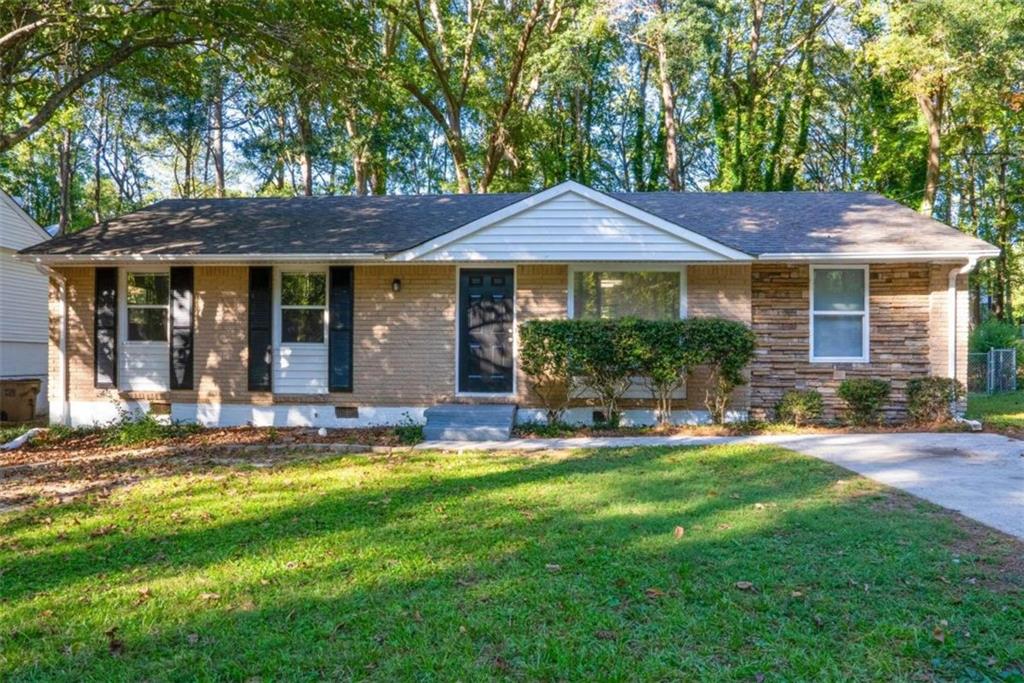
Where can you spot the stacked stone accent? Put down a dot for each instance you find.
(906, 341)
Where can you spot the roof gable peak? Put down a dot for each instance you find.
(620, 220)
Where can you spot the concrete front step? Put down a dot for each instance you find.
(469, 422)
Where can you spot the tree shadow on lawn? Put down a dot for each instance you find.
(98, 548)
(479, 576)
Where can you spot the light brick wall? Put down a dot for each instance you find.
(221, 337)
(81, 320)
(404, 350)
(908, 336)
(404, 343)
(716, 292)
(541, 294)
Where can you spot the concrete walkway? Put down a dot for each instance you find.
(978, 475)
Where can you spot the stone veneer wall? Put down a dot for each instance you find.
(908, 335)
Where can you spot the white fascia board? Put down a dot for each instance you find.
(57, 259)
(557, 191)
(879, 256)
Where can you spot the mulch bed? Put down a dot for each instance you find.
(91, 443)
(734, 429)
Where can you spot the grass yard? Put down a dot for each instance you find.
(725, 563)
(999, 411)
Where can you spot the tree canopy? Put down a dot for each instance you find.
(106, 105)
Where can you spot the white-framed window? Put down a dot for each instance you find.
(646, 292)
(303, 307)
(839, 314)
(147, 302)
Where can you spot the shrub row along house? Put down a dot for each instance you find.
(348, 311)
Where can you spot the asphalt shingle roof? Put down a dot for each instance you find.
(755, 223)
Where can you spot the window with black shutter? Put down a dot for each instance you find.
(182, 327)
(260, 316)
(339, 357)
(105, 365)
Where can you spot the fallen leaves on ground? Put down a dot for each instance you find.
(114, 644)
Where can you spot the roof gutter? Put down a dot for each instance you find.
(975, 256)
(57, 259)
(954, 275)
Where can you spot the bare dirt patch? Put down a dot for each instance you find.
(63, 470)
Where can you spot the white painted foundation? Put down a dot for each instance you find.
(88, 413)
(631, 418)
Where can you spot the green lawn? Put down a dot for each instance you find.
(997, 410)
(533, 567)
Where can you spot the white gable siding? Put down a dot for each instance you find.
(23, 289)
(17, 231)
(23, 308)
(571, 227)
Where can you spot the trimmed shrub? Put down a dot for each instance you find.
(605, 357)
(799, 407)
(864, 399)
(544, 355)
(725, 347)
(663, 361)
(930, 400)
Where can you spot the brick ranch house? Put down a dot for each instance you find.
(351, 311)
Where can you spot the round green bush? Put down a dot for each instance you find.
(797, 407)
(864, 399)
(930, 400)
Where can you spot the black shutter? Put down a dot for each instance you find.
(339, 343)
(105, 365)
(182, 334)
(260, 314)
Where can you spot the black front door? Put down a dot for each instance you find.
(486, 298)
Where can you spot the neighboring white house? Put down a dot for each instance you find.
(23, 301)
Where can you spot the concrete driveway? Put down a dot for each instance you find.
(978, 475)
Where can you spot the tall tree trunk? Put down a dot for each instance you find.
(792, 167)
(1004, 226)
(379, 179)
(65, 163)
(461, 162)
(359, 155)
(282, 139)
(931, 108)
(668, 110)
(305, 145)
(97, 179)
(639, 151)
(972, 213)
(217, 135)
(98, 150)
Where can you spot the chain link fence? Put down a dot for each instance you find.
(992, 372)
